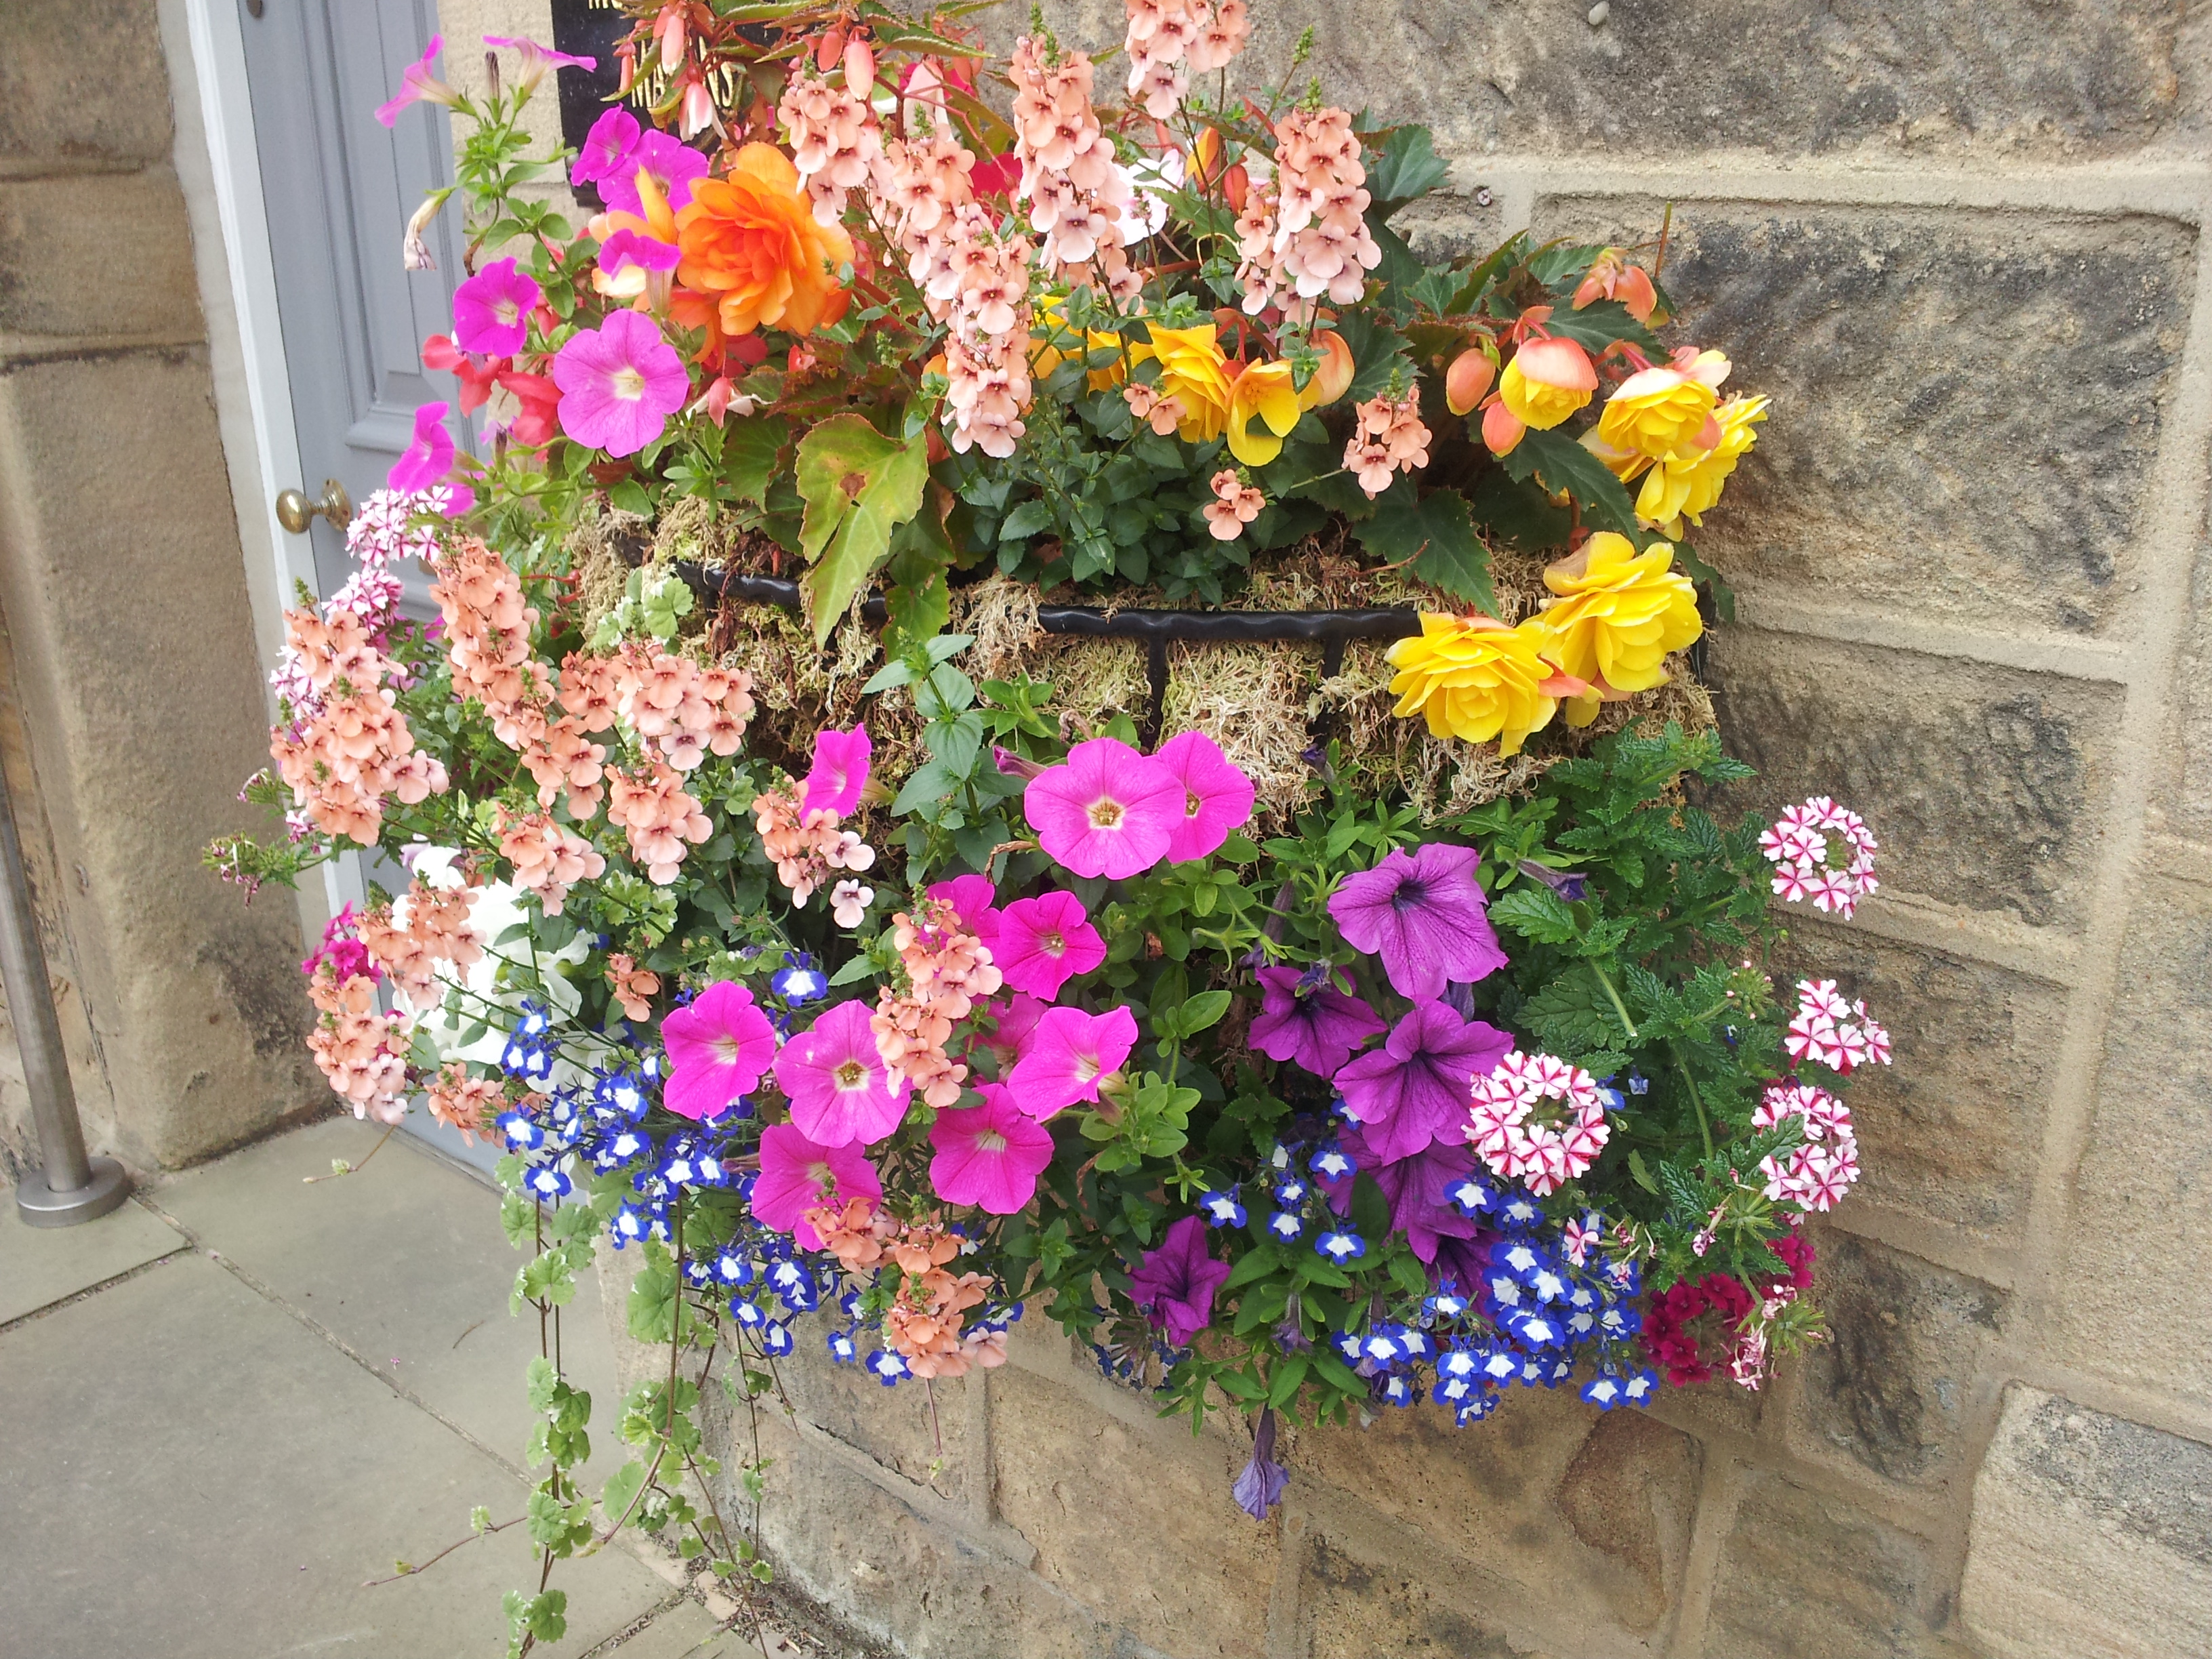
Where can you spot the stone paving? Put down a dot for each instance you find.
(228, 1405)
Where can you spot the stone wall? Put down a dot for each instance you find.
(130, 706)
(1963, 245)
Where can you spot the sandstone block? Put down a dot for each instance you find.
(1950, 1132)
(1354, 1603)
(129, 227)
(81, 82)
(921, 1433)
(1891, 1388)
(1585, 1510)
(2127, 1303)
(1137, 1525)
(1983, 784)
(1446, 227)
(2091, 1534)
(2186, 802)
(2070, 79)
(1966, 407)
(1803, 1573)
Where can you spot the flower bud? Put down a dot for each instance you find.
(1501, 429)
(1333, 378)
(1236, 185)
(860, 67)
(1467, 382)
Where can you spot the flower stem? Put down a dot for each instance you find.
(1618, 1007)
(1683, 1065)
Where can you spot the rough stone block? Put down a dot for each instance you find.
(1447, 227)
(81, 82)
(1580, 1509)
(1352, 1602)
(2184, 806)
(1892, 1387)
(1967, 405)
(1137, 1525)
(1982, 783)
(921, 1433)
(129, 227)
(1952, 1130)
(2072, 78)
(1801, 1573)
(2128, 1304)
(2091, 1534)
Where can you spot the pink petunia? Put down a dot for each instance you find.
(989, 1156)
(1216, 795)
(1070, 1051)
(675, 166)
(841, 1093)
(798, 1175)
(841, 770)
(1017, 1016)
(605, 147)
(718, 1048)
(1044, 942)
(977, 901)
(491, 310)
(425, 463)
(1107, 810)
(417, 86)
(620, 382)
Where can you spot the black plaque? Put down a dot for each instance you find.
(588, 28)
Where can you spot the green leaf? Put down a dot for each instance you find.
(1406, 167)
(749, 451)
(622, 1490)
(1699, 570)
(1535, 912)
(1378, 351)
(1026, 521)
(1558, 463)
(1436, 532)
(859, 968)
(541, 1381)
(1202, 1011)
(1370, 1211)
(1290, 1374)
(1598, 325)
(1255, 1264)
(1518, 512)
(858, 486)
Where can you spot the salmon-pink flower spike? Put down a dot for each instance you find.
(841, 770)
(798, 1175)
(1424, 915)
(1108, 812)
(606, 147)
(840, 1090)
(1216, 795)
(491, 310)
(989, 1156)
(426, 461)
(718, 1047)
(1070, 1052)
(1044, 942)
(417, 86)
(974, 900)
(619, 383)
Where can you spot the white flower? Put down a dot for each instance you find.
(849, 902)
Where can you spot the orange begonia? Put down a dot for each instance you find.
(750, 243)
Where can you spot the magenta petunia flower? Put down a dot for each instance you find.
(674, 167)
(977, 901)
(1415, 1089)
(537, 59)
(1305, 1019)
(417, 85)
(1107, 810)
(798, 1175)
(1415, 1188)
(491, 310)
(1176, 1282)
(1069, 1052)
(626, 247)
(605, 147)
(718, 1047)
(620, 382)
(990, 1156)
(425, 464)
(1424, 915)
(1044, 942)
(1017, 1016)
(1216, 796)
(841, 1093)
(841, 770)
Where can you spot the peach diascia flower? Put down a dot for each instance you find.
(750, 242)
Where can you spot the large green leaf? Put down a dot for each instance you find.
(1435, 532)
(859, 486)
(1518, 512)
(749, 455)
(1558, 462)
(1598, 325)
(1406, 165)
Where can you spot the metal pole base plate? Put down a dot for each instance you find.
(41, 1205)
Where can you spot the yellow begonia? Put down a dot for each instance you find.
(1546, 381)
(1476, 679)
(1221, 398)
(1662, 413)
(1687, 489)
(1617, 615)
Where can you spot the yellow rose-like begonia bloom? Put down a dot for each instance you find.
(1264, 390)
(1662, 412)
(1219, 397)
(1475, 679)
(1675, 490)
(1561, 383)
(1618, 614)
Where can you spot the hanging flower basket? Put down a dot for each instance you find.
(1036, 716)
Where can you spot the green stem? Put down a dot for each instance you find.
(1681, 1064)
(1618, 1007)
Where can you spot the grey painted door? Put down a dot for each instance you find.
(340, 189)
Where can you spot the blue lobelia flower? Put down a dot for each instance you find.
(1331, 1164)
(1517, 1211)
(1396, 1388)
(890, 1367)
(1471, 1195)
(748, 1312)
(775, 1338)
(1286, 1225)
(842, 1348)
(548, 1182)
(798, 981)
(1222, 1209)
(792, 1282)
(1604, 1392)
(1341, 1245)
(1641, 1387)
(523, 1132)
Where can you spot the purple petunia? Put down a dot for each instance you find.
(1260, 1487)
(1415, 1187)
(1415, 1088)
(1424, 915)
(1177, 1281)
(1305, 1019)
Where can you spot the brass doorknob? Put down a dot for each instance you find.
(296, 512)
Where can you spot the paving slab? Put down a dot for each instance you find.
(192, 1472)
(687, 1630)
(404, 1262)
(41, 1266)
